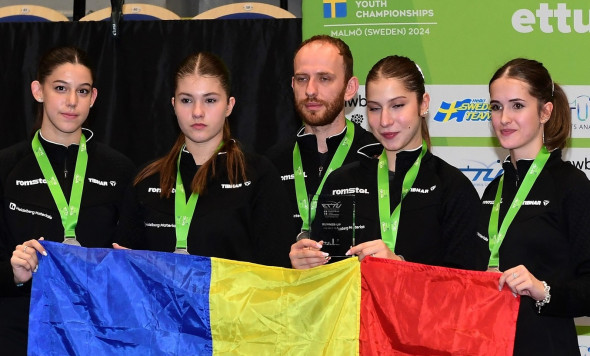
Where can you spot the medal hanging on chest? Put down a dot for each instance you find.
(69, 213)
(497, 236)
(183, 209)
(306, 208)
(390, 223)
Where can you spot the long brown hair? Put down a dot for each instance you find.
(408, 72)
(542, 87)
(201, 64)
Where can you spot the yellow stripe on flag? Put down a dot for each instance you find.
(262, 310)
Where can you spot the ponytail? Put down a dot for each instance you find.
(559, 127)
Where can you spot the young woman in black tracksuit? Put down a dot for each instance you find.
(238, 210)
(437, 218)
(536, 215)
(62, 168)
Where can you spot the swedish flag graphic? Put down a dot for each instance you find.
(334, 8)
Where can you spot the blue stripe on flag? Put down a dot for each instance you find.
(117, 302)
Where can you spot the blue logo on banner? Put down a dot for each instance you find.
(581, 107)
(468, 109)
(334, 8)
(481, 172)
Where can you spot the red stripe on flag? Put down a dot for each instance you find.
(413, 309)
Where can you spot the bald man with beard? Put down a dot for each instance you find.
(322, 82)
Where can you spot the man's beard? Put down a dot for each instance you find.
(332, 109)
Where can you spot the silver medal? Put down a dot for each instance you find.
(71, 241)
(304, 234)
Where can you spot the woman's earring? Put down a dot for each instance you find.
(425, 113)
(40, 100)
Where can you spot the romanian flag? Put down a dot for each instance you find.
(118, 302)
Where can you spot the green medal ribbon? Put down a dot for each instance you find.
(68, 212)
(496, 237)
(300, 188)
(184, 210)
(390, 224)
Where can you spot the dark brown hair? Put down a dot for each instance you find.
(343, 50)
(408, 72)
(542, 87)
(54, 58)
(208, 65)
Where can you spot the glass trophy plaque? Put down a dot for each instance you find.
(334, 223)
